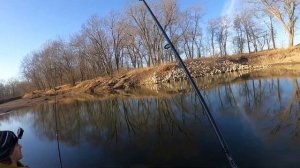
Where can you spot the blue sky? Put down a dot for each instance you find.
(25, 25)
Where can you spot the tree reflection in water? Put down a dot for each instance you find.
(173, 130)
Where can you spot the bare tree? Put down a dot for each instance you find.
(29, 71)
(148, 32)
(272, 30)
(285, 11)
(254, 33)
(117, 28)
(143, 24)
(133, 47)
(192, 32)
(68, 63)
(238, 39)
(99, 50)
(49, 63)
(211, 29)
(170, 19)
(222, 33)
(270, 35)
(247, 23)
(10, 90)
(78, 45)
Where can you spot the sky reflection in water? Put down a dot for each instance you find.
(258, 118)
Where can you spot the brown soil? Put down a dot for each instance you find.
(107, 86)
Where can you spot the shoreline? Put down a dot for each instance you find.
(150, 77)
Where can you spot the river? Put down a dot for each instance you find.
(258, 117)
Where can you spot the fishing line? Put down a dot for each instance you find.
(56, 127)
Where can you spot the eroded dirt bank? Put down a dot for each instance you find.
(150, 79)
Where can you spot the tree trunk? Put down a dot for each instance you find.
(291, 37)
(212, 45)
(248, 41)
(272, 34)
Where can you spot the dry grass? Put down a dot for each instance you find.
(140, 75)
(103, 86)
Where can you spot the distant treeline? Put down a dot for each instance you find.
(11, 90)
(131, 39)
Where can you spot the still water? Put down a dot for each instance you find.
(259, 118)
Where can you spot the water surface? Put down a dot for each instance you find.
(258, 117)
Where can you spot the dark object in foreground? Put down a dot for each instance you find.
(20, 133)
(10, 149)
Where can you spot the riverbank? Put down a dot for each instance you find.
(165, 74)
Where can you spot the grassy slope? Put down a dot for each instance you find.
(141, 76)
(106, 86)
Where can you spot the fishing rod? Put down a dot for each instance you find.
(201, 99)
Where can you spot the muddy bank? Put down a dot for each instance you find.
(153, 78)
(155, 90)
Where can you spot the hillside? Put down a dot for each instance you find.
(166, 73)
